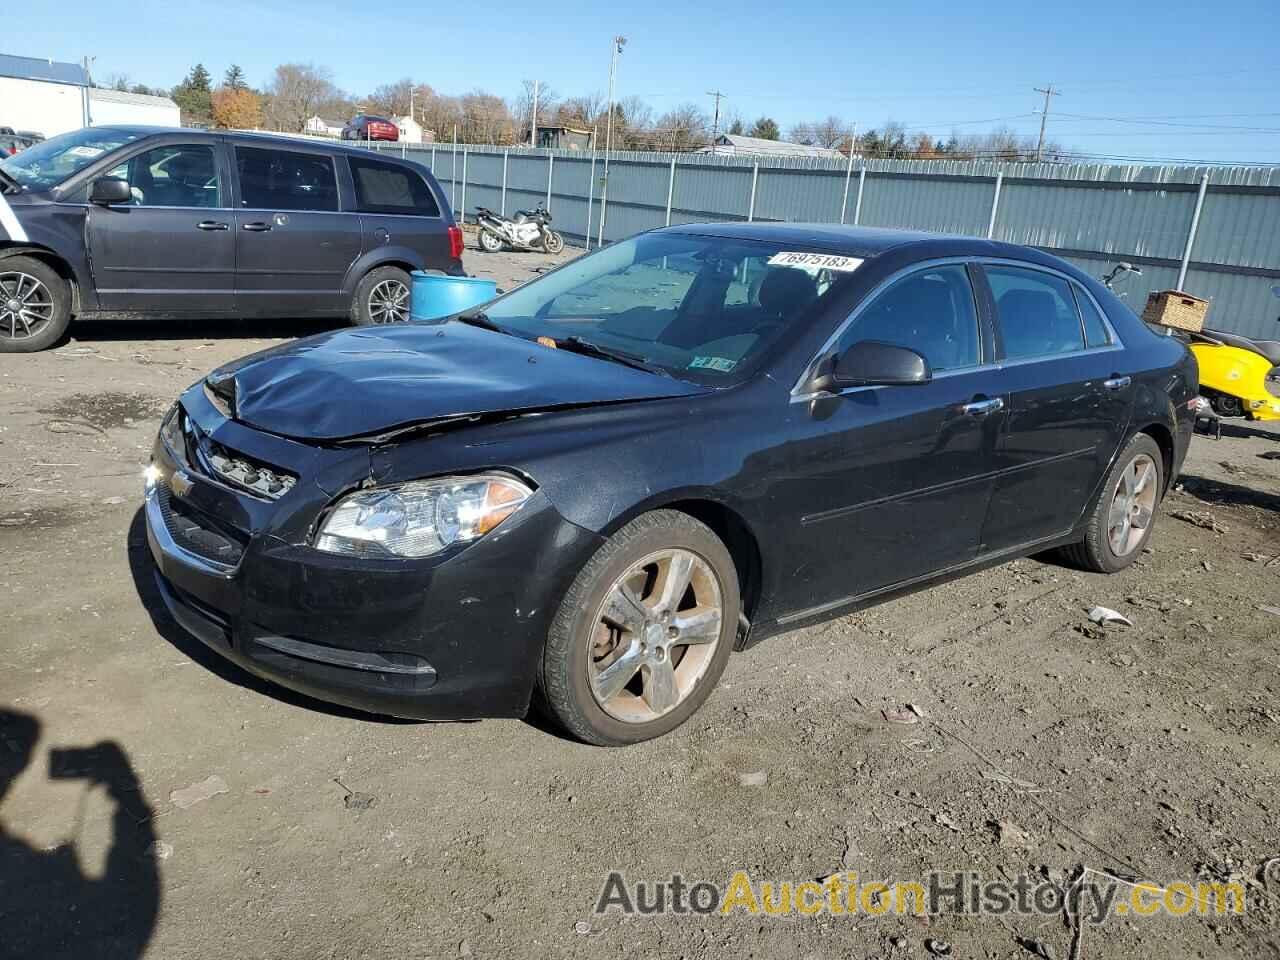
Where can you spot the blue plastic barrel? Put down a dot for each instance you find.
(433, 295)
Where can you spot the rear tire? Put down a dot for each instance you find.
(381, 297)
(1132, 491)
(35, 305)
(489, 242)
(637, 572)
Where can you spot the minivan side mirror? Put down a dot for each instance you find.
(108, 190)
(872, 363)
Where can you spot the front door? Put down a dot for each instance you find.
(1071, 403)
(891, 483)
(293, 246)
(172, 247)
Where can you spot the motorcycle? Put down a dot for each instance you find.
(528, 230)
(1239, 376)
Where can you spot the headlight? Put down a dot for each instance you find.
(421, 518)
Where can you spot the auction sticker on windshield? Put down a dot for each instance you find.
(820, 261)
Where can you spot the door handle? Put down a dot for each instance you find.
(980, 408)
(1117, 383)
(211, 225)
(257, 226)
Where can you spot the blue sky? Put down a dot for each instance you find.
(1185, 80)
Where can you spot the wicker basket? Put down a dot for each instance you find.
(1173, 308)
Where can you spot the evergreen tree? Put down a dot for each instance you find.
(234, 78)
(766, 128)
(194, 97)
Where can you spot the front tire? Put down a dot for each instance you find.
(1123, 515)
(490, 242)
(381, 297)
(643, 633)
(552, 242)
(35, 305)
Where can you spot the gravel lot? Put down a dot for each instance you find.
(1040, 743)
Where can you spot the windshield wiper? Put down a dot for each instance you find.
(480, 319)
(586, 347)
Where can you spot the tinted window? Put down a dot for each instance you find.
(930, 311)
(280, 180)
(387, 188)
(178, 175)
(1095, 330)
(49, 163)
(1037, 313)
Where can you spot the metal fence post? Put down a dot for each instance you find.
(995, 206)
(1191, 233)
(464, 184)
(755, 177)
(857, 207)
(551, 166)
(505, 155)
(591, 186)
(453, 173)
(433, 156)
(848, 175)
(671, 188)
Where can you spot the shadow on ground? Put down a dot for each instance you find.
(224, 328)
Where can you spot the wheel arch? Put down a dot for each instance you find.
(57, 263)
(401, 257)
(1163, 437)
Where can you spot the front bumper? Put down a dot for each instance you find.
(450, 637)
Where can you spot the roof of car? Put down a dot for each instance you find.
(858, 241)
(276, 138)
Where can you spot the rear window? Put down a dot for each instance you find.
(283, 180)
(388, 188)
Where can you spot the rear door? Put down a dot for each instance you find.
(398, 209)
(172, 248)
(294, 244)
(1071, 403)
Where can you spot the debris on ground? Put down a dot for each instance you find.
(1009, 834)
(942, 820)
(1104, 615)
(1037, 948)
(188, 797)
(354, 800)
(160, 850)
(1200, 518)
(999, 776)
(939, 948)
(1274, 611)
(901, 716)
(756, 779)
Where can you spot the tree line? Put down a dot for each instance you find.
(296, 92)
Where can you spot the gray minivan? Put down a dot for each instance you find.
(140, 221)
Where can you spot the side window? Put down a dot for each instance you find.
(1037, 312)
(387, 188)
(930, 311)
(178, 175)
(281, 180)
(1095, 330)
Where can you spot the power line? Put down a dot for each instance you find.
(715, 124)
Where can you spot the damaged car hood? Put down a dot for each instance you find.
(369, 382)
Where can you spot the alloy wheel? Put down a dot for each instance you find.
(655, 635)
(389, 302)
(1133, 501)
(26, 306)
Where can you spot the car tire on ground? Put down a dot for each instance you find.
(35, 305)
(614, 670)
(382, 296)
(1123, 515)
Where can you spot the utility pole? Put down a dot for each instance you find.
(1044, 115)
(618, 43)
(533, 118)
(715, 124)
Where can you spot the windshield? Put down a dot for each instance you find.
(47, 164)
(701, 308)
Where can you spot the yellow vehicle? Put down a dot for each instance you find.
(1240, 377)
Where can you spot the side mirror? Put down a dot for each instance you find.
(109, 190)
(871, 363)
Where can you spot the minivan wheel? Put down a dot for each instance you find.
(382, 296)
(643, 633)
(489, 242)
(35, 305)
(1123, 515)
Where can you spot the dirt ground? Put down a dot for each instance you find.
(1040, 743)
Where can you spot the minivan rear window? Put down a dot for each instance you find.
(383, 187)
(283, 180)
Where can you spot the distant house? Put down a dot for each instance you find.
(733, 145)
(43, 95)
(410, 129)
(322, 127)
(562, 137)
(107, 107)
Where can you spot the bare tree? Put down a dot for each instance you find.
(393, 99)
(685, 128)
(521, 109)
(485, 119)
(830, 133)
(297, 92)
(582, 111)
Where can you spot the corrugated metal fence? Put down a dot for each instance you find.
(1090, 214)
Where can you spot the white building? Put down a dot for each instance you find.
(108, 107)
(321, 127)
(731, 144)
(410, 129)
(43, 95)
